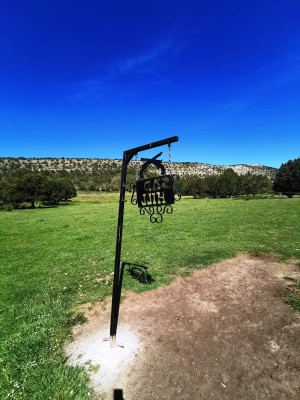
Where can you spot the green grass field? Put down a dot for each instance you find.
(53, 259)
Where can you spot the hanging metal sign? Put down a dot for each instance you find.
(155, 195)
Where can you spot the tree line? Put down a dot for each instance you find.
(32, 187)
(227, 184)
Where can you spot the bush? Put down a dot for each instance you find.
(32, 187)
(7, 207)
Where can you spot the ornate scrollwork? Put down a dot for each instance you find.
(133, 199)
(156, 212)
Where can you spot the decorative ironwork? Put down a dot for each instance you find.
(154, 196)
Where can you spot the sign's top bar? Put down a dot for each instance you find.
(148, 146)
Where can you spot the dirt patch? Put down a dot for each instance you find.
(224, 333)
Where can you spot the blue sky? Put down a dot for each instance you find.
(95, 78)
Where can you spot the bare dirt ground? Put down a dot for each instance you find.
(224, 333)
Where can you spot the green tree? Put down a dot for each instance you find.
(26, 188)
(182, 185)
(287, 180)
(228, 183)
(212, 185)
(199, 187)
(55, 190)
(2, 191)
(246, 184)
(260, 184)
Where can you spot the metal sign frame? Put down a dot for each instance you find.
(116, 295)
(155, 195)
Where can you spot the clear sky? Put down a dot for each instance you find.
(95, 78)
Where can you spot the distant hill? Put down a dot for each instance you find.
(103, 174)
(201, 169)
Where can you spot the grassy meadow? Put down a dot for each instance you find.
(53, 259)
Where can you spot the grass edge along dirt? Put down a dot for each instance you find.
(54, 259)
(293, 297)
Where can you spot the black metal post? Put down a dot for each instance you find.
(127, 156)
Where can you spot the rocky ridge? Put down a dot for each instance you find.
(93, 164)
